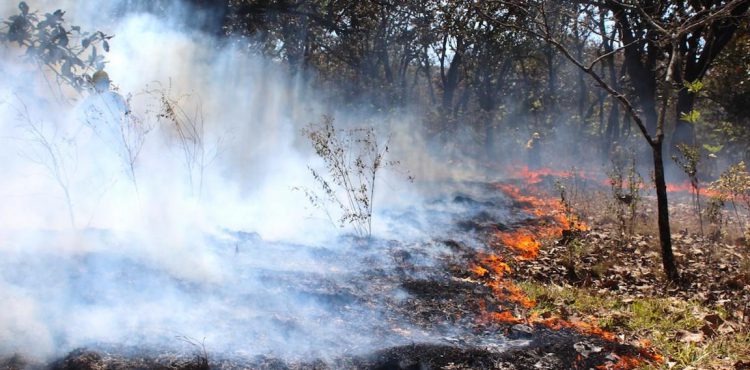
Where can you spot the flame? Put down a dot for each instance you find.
(533, 177)
(479, 270)
(535, 202)
(626, 363)
(551, 221)
(495, 264)
(507, 291)
(523, 242)
(675, 188)
(504, 317)
(686, 187)
(493, 268)
(556, 323)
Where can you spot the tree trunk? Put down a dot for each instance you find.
(665, 236)
(683, 133)
(450, 83)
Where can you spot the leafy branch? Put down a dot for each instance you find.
(68, 52)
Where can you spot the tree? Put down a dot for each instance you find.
(643, 40)
(683, 38)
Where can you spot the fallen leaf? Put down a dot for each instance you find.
(688, 337)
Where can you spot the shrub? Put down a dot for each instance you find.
(353, 158)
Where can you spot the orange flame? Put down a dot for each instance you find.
(491, 262)
(504, 317)
(552, 221)
(686, 187)
(623, 363)
(523, 242)
(556, 323)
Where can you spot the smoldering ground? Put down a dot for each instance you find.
(142, 237)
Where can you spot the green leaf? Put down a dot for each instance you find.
(693, 116)
(694, 86)
(713, 149)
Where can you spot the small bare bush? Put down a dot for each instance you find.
(51, 149)
(110, 118)
(733, 186)
(626, 184)
(688, 159)
(353, 158)
(190, 131)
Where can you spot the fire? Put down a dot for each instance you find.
(504, 316)
(490, 263)
(479, 270)
(623, 363)
(675, 188)
(533, 201)
(508, 291)
(523, 242)
(532, 177)
(493, 268)
(551, 221)
(686, 187)
(582, 327)
(630, 362)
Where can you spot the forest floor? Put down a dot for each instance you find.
(610, 275)
(549, 282)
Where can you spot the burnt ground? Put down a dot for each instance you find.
(440, 298)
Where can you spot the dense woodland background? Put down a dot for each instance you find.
(483, 65)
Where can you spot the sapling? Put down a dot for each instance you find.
(52, 150)
(689, 158)
(625, 184)
(352, 158)
(189, 128)
(734, 185)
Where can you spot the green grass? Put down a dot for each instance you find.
(658, 320)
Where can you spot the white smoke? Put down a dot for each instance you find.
(100, 245)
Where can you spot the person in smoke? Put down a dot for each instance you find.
(533, 151)
(107, 116)
(111, 102)
(105, 111)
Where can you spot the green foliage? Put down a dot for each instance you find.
(694, 87)
(659, 321)
(713, 149)
(735, 182)
(693, 116)
(688, 159)
(65, 50)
